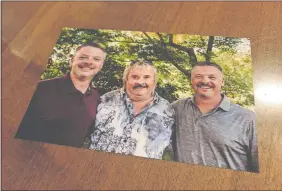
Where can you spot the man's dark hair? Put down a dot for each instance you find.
(93, 44)
(208, 64)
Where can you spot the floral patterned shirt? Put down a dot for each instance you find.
(118, 130)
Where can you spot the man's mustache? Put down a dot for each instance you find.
(140, 86)
(86, 65)
(201, 84)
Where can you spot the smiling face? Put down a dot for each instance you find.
(141, 83)
(207, 81)
(87, 62)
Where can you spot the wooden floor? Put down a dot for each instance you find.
(29, 32)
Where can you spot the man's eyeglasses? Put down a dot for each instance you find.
(144, 61)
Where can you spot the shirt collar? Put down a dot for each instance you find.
(69, 87)
(224, 104)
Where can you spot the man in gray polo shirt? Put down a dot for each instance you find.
(209, 129)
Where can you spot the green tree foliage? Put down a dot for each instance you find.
(172, 54)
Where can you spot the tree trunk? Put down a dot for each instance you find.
(209, 48)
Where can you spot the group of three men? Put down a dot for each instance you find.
(205, 129)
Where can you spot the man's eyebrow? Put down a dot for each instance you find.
(83, 55)
(97, 57)
(86, 55)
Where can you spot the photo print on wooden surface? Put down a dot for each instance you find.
(177, 97)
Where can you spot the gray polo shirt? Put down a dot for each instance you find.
(224, 137)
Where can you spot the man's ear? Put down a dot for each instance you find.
(71, 60)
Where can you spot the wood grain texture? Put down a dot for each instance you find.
(29, 32)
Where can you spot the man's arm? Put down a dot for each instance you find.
(169, 151)
(98, 127)
(162, 141)
(253, 163)
(26, 129)
(91, 129)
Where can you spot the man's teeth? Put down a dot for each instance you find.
(205, 87)
(140, 87)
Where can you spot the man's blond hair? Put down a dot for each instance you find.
(138, 64)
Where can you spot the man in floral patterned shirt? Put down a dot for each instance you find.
(134, 120)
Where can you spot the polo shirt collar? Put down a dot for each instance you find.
(224, 104)
(69, 87)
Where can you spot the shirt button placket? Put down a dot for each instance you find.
(196, 148)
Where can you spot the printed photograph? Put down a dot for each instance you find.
(176, 97)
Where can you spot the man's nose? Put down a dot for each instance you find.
(90, 60)
(140, 81)
(205, 79)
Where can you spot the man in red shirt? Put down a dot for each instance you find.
(62, 110)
